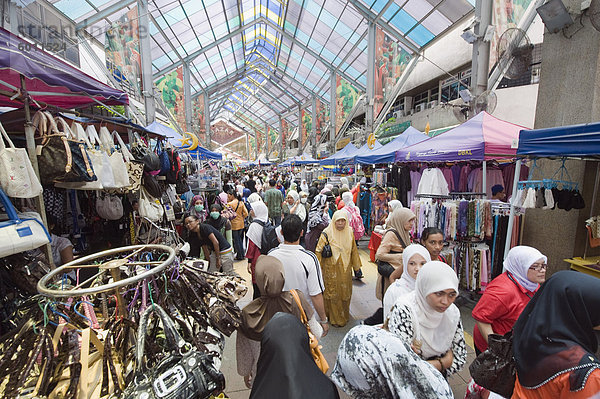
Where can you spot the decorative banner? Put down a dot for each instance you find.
(272, 137)
(170, 87)
(507, 14)
(259, 142)
(346, 97)
(322, 117)
(198, 121)
(122, 48)
(390, 61)
(252, 142)
(306, 125)
(284, 135)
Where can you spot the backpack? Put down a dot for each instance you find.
(269, 239)
(174, 170)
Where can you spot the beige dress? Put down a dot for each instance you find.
(390, 250)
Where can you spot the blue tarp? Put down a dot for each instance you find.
(345, 153)
(563, 141)
(304, 159)
(175, 138)
(387, 153)
(365, 150)
(159, 128)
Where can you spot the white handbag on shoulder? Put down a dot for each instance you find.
(17, 177)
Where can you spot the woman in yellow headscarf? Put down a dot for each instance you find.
(337, 273)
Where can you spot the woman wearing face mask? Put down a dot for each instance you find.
(219, 222)
(293, 206)
(414, 258)
(197, 207)
(337, 269)
(432, 238)
(428, 321)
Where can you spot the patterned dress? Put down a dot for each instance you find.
(373, 363)
(400, 323)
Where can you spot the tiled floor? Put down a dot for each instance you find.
(363, 304)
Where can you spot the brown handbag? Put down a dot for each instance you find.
(315, 348)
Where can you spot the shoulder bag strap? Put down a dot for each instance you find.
(399, 238)
(326, 237)
(304, 320)
(510, 276)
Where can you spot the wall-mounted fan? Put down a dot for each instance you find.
(515, 51)
(461, 112)
(486, 101)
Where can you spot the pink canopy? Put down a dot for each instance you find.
(481, 137)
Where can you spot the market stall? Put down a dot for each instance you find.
(340, 156)
(387, 153)
(580, 142)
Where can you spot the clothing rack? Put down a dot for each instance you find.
(547, 183)
(436, 196)
(466, 194)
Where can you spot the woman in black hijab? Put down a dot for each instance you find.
(554, 342)
(286, 368)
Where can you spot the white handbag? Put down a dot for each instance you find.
(18, 235)
(17, 177)
(109, 207)
(104, 169)
(116, 158)
(150, 207)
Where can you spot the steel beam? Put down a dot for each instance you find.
(300, 148)
(370, 99)
(187, 97)
(207, 119)
(371, 16)
(146, 56)
(204, 49)
(332, 111)
(313, 134)
(108, 11)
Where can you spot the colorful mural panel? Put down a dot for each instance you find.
(506, 14)
(198, 121)
(170, 88)
(122, 48)
(346, 97)
(390, 62)
(322, 118)
(306, 125)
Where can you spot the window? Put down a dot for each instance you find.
(49, 31)
(450, 87)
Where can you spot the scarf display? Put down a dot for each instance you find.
(397, 221)
(518, 262)
(270, 280)
(436, 329)
(554, 334)
(341, 241)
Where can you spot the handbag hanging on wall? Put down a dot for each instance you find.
(18, 235)
(149, 207)
(116, 159)
(135, 169)
(17, 177)
(180, 374)
(145, 155)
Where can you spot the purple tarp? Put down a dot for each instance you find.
(49, 79)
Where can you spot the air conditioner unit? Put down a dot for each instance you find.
(432, 104)
(398, 114)
(420, 107)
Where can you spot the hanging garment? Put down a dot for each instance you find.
(433, 182)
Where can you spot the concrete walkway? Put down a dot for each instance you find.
(363, 304)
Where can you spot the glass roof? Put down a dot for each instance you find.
(261, 59)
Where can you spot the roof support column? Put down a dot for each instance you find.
(187, 97)
(207, 120)
(313, 133)
(369, 101)
(146, 56)
(332, 110)
(281, 144)
(300, 147)
(266, 140)
(481, 49)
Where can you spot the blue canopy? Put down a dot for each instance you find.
(203, 153)
(304, 159)
(163, 130)
(365, 150)
(564, 141)
(345, 153)
(387, 153)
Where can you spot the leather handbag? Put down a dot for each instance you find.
(18, 235)
(495, 368)
(55, 159)
(145, 155)
(326, 252)
(17, 177)
(152, 186)
(134, 168)
(313, 343)
(180, 374)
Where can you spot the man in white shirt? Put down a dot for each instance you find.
(301, 267)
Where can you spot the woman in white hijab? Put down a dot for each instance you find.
(254, 235)
(414, 257)
(292, 205)
(506, 296)
(303, 185)
(428, 321)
